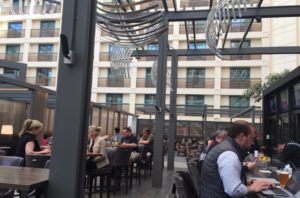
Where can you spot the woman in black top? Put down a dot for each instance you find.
(28, 143)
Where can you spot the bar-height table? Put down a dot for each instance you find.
(24, 179)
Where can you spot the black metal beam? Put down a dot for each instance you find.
(175, 5)
(210, 4)
(165, 5)
(263, 12)
(249, 26)
(194, 33)
(226, 34)
(187, 34)
(226, 51)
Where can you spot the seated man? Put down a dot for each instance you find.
(147, 138)
(222, 174)
(96, 145)
(130, 141)
(289, 152)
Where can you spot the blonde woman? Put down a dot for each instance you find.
(27, 143)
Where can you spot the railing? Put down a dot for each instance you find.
(12, 33)
(144, 82)
(104, 56)
(198, 29)
(192, 110)
(145, 109)
(196, 3)
(46, 9)
(245, 57)
(117, 106)
(241, 27)
(104, 82)
(42, 81)
(45, 33)
(228, 111)
(42, 57)
(227, 83)
(196, 58)
(11, 57)
(195, 83)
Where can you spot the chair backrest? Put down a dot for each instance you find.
(36, 161)
(47, 164)
(11, 161)
(195, 173)
(111, 154)
(122, 157)
(4, 193)
(184, 186)
(2, 153)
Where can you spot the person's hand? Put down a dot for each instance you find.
(46, 151)
(250, 165)
(258, 186)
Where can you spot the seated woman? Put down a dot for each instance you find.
(97, 145)
(27, 143)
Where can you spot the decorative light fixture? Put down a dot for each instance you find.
(7, 130)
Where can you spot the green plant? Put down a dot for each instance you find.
(257, 90)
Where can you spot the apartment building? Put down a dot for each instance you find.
(31, 35)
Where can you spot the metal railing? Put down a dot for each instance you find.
(195, 83)
(43, 57)
(245, 57)
(105, 82)
(12, 33)
(11, 57)
(42, 81)
(228, 83)
(117, 106)
(196, 58)
(242, 27)
(199, 29)
(196, 3)
(228, 111)
(144, 82)
(47, 9)
(45, 33)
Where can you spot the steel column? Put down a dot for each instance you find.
(73, 101)
(158, 159)
(173, 113)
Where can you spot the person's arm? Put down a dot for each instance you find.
(229, 167)
(285, 154)
(142, 141)
(29, 149)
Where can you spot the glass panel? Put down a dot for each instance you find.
(150, 99)
(238, 101)
(10, 73)
(46, 25)
(235, 43)
(194, 100)
(152, 46)
(17, 26)
(239, 73)
(148, 73)
(12, 49)
(273, 104)
(297, 94)
(199, 45)
(284, 100)
(46, 49)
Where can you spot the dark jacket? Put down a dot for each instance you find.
(210, 180)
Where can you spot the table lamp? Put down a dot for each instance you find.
(7, 130)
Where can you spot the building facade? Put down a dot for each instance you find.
(30, 34)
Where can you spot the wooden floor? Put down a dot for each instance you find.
(146, 190)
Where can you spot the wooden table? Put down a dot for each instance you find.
(93, 154)
(24, 179)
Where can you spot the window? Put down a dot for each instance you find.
(12, 52)
(240, 78)
(195, 77)
(112, 99)
(150, 99)
(199, 45)
(47, 28)
(14, 30)
(43, 76)
(45, 52)
(111, 81)
(194, 100)
(152, 46)
(10, 73)
(238, 101)
(235, 43)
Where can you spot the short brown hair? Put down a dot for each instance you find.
(239, 127)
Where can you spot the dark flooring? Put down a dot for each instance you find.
(145, 190)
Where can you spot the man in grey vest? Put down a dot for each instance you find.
(221, 173)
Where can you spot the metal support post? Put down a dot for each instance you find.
(158, 159)
(67, 173)
(173, 113)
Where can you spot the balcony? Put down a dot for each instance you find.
(190, 29)
(228, 111)
(242, 27)
(105, 82)
(196, 58)
(117, 106)
(42, 81)
(36, 10)
(12, 33)
(45, 33)
(104, 56)
(245, 57)
(144, 82)
(11, 57)
(43, 57)
(227, 83)
(196, 3)
(195, 83)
